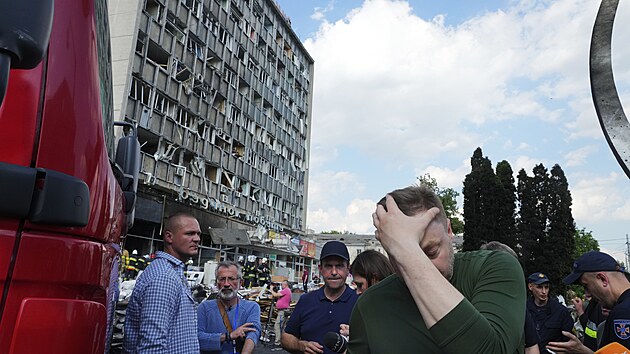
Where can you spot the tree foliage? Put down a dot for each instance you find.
(559, 245)
(528, 230)
(483, 196)
(448, 197)
(584, 242)
(506, 212)
(533, 217)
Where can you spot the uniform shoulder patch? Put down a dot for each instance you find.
(622, 329)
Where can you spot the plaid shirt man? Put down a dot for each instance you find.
(161, 315)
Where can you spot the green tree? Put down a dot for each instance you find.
(448, 197)
(528, 225)
(482, 196)
(584, 242)
(559, 244)
(506, 222)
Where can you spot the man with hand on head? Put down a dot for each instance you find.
(438, 302)
(606, 281)
(325, 309)
(228, 324)
(161, 312)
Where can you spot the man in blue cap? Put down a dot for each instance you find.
(606, 280)
(325, 309)
(550, 316)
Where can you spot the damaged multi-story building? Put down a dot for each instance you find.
(220, 92)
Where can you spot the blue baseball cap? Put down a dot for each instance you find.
(537, 278)
(592, 261)
(334, 248)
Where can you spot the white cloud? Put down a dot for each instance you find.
(448, 178)
(618, 255)
(509, 145)
(319, 13)
(326, 187)
(420, 95)
(596, 199)
(356, 218)
(384, 74)
(579, 156)
(527, 163)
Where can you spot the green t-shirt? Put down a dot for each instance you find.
(489, 320)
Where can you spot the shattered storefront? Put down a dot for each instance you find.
(227, 233)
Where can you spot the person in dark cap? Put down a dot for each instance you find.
(550, 317)
(325, 309)
(607, 282)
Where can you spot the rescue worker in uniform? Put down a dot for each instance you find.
(590, 316)
(141, 264)
(132, 266)
(124, 262)
(606, 281)
(249, 271)
(264, 273)
(550, 317)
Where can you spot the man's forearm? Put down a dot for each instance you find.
(291, 343)
(248, 347)
(434, 296)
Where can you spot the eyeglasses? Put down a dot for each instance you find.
(229, 279)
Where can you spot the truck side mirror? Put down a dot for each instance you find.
(128, 161)
(25, 28)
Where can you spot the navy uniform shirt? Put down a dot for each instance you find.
(531, 335)
(550, 320)
(617, 327)
(315, 315)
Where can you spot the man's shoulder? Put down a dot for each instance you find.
(485, 260)
(486, 255)
(161, 275)
(622, 307)
(160, 267)
(311, 297)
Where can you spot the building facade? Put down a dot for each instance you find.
(221, 93)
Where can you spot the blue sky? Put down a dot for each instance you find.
(404, 88)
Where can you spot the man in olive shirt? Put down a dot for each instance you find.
(439, 302)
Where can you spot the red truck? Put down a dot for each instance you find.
(67, 194)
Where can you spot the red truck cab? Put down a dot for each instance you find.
(64, 203)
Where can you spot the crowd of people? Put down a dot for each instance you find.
(422, 296)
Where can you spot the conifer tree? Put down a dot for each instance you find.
(561, 232)
(506, 222)
(481, 202)
(527, 222)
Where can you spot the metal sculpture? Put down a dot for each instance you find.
(605, 97)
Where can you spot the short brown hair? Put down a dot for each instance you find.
(498, 246)
(415, 199)
(172, 222)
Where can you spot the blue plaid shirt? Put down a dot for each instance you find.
(161, 315)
